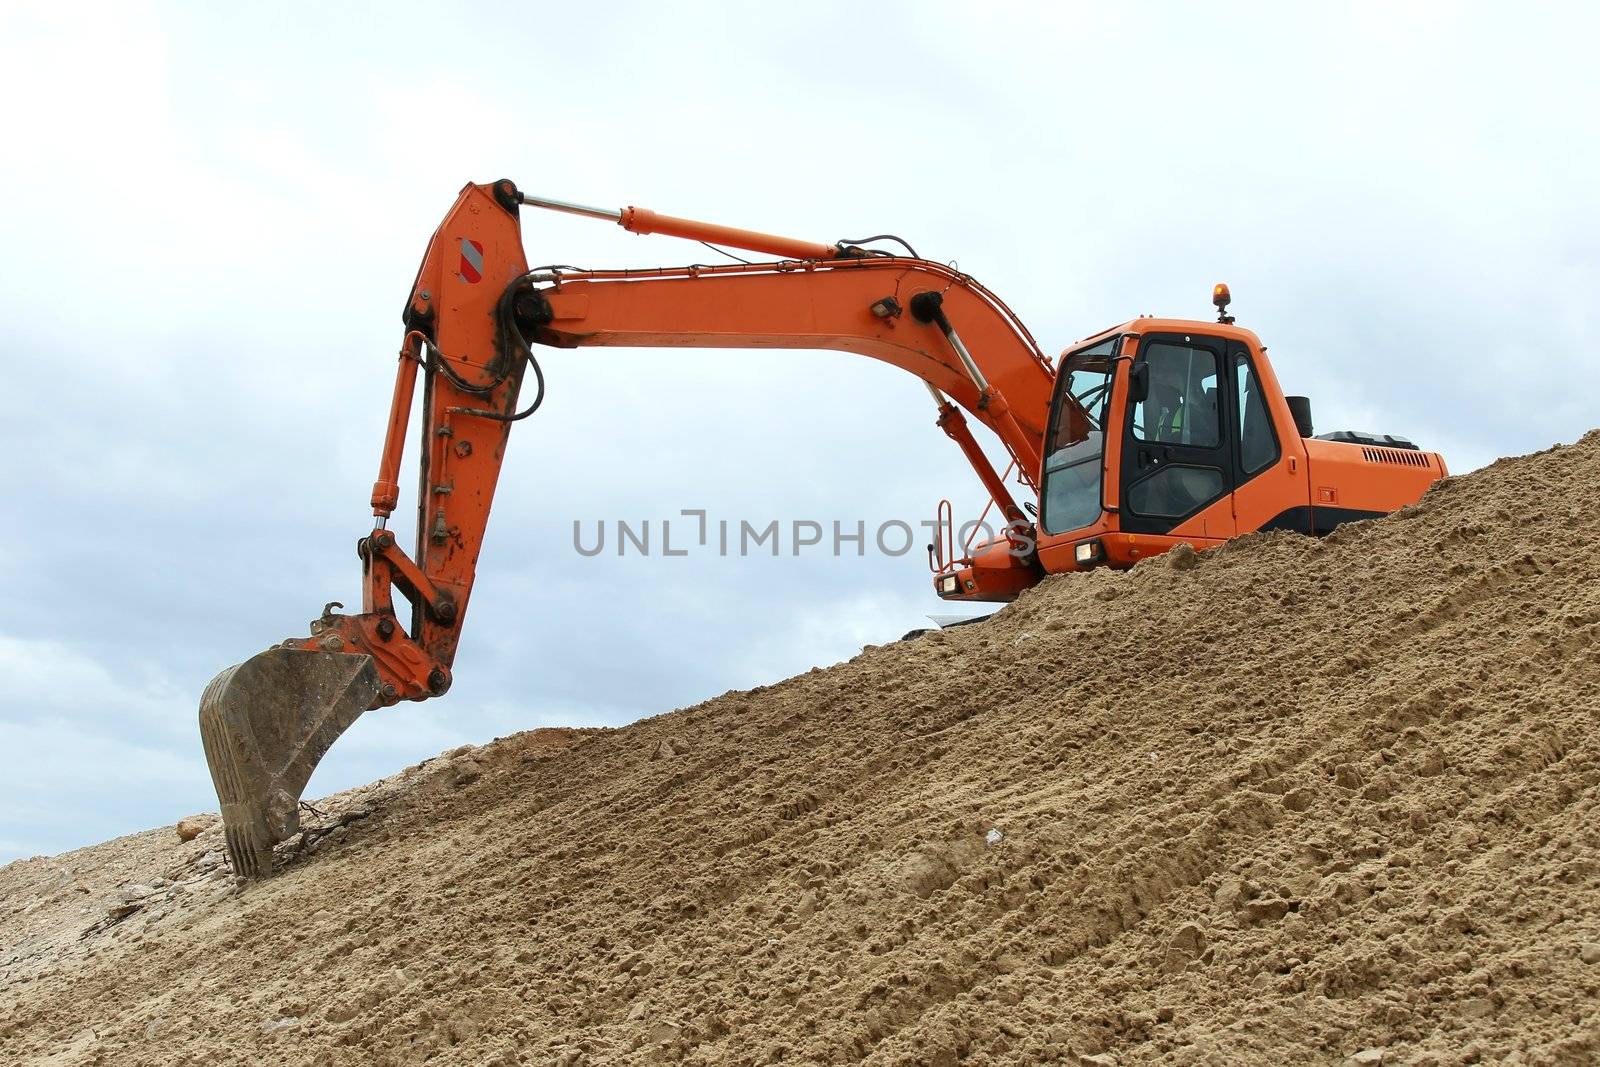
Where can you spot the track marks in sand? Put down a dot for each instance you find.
(1294, 801)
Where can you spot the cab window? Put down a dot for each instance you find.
(1075, 443)
(1258, 447)
(1175, 490)
(1181, 408)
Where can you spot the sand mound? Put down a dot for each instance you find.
(1290, 801)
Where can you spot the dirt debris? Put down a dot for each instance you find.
(192, 826)
(1289, 801)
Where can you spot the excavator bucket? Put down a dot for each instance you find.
(266, 723)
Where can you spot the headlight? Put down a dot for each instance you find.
(1087, 553)
(948, 585)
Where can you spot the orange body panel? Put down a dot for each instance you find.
(995, 572)
(1363, 478)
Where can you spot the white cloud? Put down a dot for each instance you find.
(86, 743)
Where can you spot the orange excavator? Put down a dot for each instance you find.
(1154, 433)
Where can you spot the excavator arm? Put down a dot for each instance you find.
(820, 306)
(473, 321)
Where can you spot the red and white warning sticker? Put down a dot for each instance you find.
(471, 269)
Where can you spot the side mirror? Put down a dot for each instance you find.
(1139, 382)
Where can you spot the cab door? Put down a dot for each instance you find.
(1178, 468)
(1271, 476)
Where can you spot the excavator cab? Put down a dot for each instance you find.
(1171, 431)
(1188, 428)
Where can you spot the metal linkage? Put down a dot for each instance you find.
(551, 204)
(642, 221)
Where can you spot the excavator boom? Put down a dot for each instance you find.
(473, 312)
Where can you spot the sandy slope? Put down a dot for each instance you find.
(1291, 801)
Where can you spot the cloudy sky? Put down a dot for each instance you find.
(212, 220)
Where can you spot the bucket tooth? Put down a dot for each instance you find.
(265, 724)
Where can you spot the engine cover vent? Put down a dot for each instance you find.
(1395, 455)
